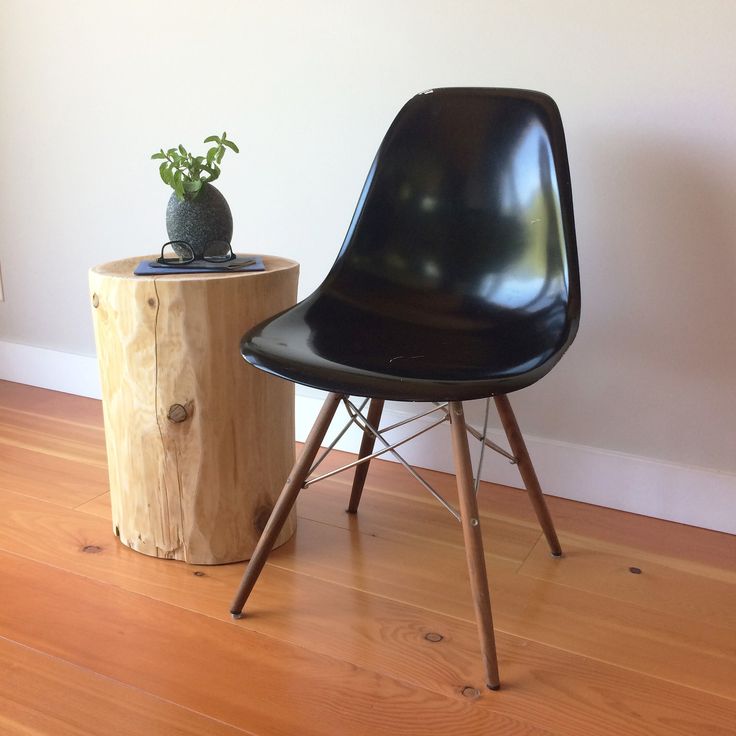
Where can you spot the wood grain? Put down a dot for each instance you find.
(99, 506)
(63, 481)
(545, 686)
(140, 641)
(689, 548)
(199, 444)
(393, 515)
(45, 695)
(74, 442)
(335, 638)
(617, 632)
(50, 404)
(48, 456)
(657, 586)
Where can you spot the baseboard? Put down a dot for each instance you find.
(52, 369)
(696, 496)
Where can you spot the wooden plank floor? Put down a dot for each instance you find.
(97, 639)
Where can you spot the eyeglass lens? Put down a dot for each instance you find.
(176, 252)
(217, 251)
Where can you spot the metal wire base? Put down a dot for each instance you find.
(358, 418)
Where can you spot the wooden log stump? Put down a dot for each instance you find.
(199, 443)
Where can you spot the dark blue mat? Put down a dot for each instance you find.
(238, 265)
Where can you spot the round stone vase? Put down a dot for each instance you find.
(201, 220)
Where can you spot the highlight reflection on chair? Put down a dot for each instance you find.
(457, 280)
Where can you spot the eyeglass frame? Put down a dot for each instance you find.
(163, 262)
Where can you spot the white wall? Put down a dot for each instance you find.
(646, 88)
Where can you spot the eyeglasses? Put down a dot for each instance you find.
(179, 253)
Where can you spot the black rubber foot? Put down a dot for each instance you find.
(493, 687)
(556, 554)
(236, 614)
(350, 511)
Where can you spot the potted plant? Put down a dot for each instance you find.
(197, 213)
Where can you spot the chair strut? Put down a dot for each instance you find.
(528, 475)
(366, 448)
(285, 503)
(474, 544)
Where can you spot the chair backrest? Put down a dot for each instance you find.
(468, 209)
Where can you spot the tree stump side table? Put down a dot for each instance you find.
(199, 444)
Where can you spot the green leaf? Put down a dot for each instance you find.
(187, 173)
(163, 170)
(178, 185)
(192, 186)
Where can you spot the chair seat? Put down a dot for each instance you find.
(329, 343)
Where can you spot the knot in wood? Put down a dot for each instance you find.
(177, 413)
(95, 301)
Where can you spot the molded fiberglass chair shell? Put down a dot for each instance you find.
(457, 280)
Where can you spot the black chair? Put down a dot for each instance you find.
(458, 280)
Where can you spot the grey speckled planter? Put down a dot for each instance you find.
(201, 220)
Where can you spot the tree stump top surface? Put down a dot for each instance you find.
(125, 267)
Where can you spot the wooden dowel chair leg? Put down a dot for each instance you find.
(366, 448)
(473, 544)
(528, 475)
(285, 503)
